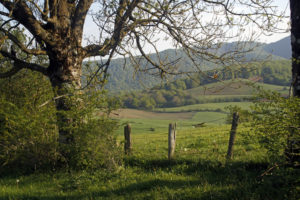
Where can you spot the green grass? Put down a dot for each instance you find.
(209, 113)
(198, 171)
(145, 126)
(216, 118)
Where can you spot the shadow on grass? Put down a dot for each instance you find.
(169, 189)
(193, 166)
(192, 179)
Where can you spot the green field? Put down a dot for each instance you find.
(184, 116)
(206, 107)
(198, 171)
(145, 126)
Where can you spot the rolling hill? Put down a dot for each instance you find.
(238, 90)
(229, 87)
(280, 48)
(123, 76)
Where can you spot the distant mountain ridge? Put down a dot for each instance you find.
(280, 48)
(124, 77)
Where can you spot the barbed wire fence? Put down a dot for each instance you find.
(188, 141)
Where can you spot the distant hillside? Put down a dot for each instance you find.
(230, 85)
(280, 48)
(276, 72)
(225, 91)
(236, 87)
(125, 78)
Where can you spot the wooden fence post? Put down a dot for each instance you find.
(235, 119)
(127, 144)
(172, 140)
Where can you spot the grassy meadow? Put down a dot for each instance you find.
(217, 107)
(198, 171)
(213, 114)
(160, 123)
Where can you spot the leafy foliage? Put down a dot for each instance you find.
(276, 124)
(28, 135)
(93, 143)
(244, 115)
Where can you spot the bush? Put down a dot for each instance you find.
(276, 124)
(93, 143)
(244, 115)
(93, 146)
(29, 131)
(28, 134)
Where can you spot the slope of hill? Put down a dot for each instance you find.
(225, 91)
(236, 87)
(127, 78)
(280, 48)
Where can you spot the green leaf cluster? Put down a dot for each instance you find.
(28, 134)
(244, 115)
(93, 144)
(29, 124)
(276, 124)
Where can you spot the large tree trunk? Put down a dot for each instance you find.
(294, 144)
(295, 41)
(65, 76)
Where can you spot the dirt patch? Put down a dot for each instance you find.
(140, 114)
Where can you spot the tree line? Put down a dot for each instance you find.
(173, 94)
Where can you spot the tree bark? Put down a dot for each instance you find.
(295, 41)
(293, 150)
(65, 76)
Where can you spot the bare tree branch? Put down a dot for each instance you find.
(19, 64)
(79, 17)
(23, 14)
(10, 73)
(21, 46)
(4, 14)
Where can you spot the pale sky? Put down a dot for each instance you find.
(282, 5)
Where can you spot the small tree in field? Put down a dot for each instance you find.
(54, 30)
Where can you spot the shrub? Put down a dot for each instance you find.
(93, 143)
(276, 124)
(29, 133)
(244, 115)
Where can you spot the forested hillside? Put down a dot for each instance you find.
(125, 76)
(280, 48)
(226, 85)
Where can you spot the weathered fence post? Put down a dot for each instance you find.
(235, 119)
(127, 144)
(172, 140)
